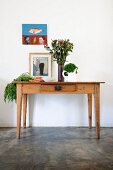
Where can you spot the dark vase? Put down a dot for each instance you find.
(60, 71)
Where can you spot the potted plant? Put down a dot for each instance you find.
(70, 70)
(10, 89)
(60, 49)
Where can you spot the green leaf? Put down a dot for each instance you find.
(34, 40)
(10, 89)
(60, 50)
(70, 68)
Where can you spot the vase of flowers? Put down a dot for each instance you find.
(60, 50)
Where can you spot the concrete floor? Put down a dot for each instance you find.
(56, 149)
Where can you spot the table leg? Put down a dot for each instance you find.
(97, 109)
(24, 109)
(90, 110)
(19, 108)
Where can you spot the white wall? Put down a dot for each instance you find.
(89, 25)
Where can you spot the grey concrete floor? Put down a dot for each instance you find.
(68, 148)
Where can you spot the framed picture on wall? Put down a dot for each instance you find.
(34, 34)
(40, 65)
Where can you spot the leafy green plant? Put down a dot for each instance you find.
(60, 50)
(10, 89)
(70, 68)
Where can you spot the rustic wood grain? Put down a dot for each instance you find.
(90, 110)
(24, 109)
(19, 108)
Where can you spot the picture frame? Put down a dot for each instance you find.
(40, 65)
(34, 34)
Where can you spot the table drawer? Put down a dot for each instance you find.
(31, 88)
(57, 88)
(85, 88)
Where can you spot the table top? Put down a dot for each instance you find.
(55, 82)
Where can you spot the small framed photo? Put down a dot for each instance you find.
(40, 65)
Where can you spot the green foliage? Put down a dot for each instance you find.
(60, 50)
(24, 77)
(70, 68)
(10, 89)
(10, 92)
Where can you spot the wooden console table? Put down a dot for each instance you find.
(89, 88)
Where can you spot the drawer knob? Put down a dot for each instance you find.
(58, 88)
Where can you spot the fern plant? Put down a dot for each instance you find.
(10, 89)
